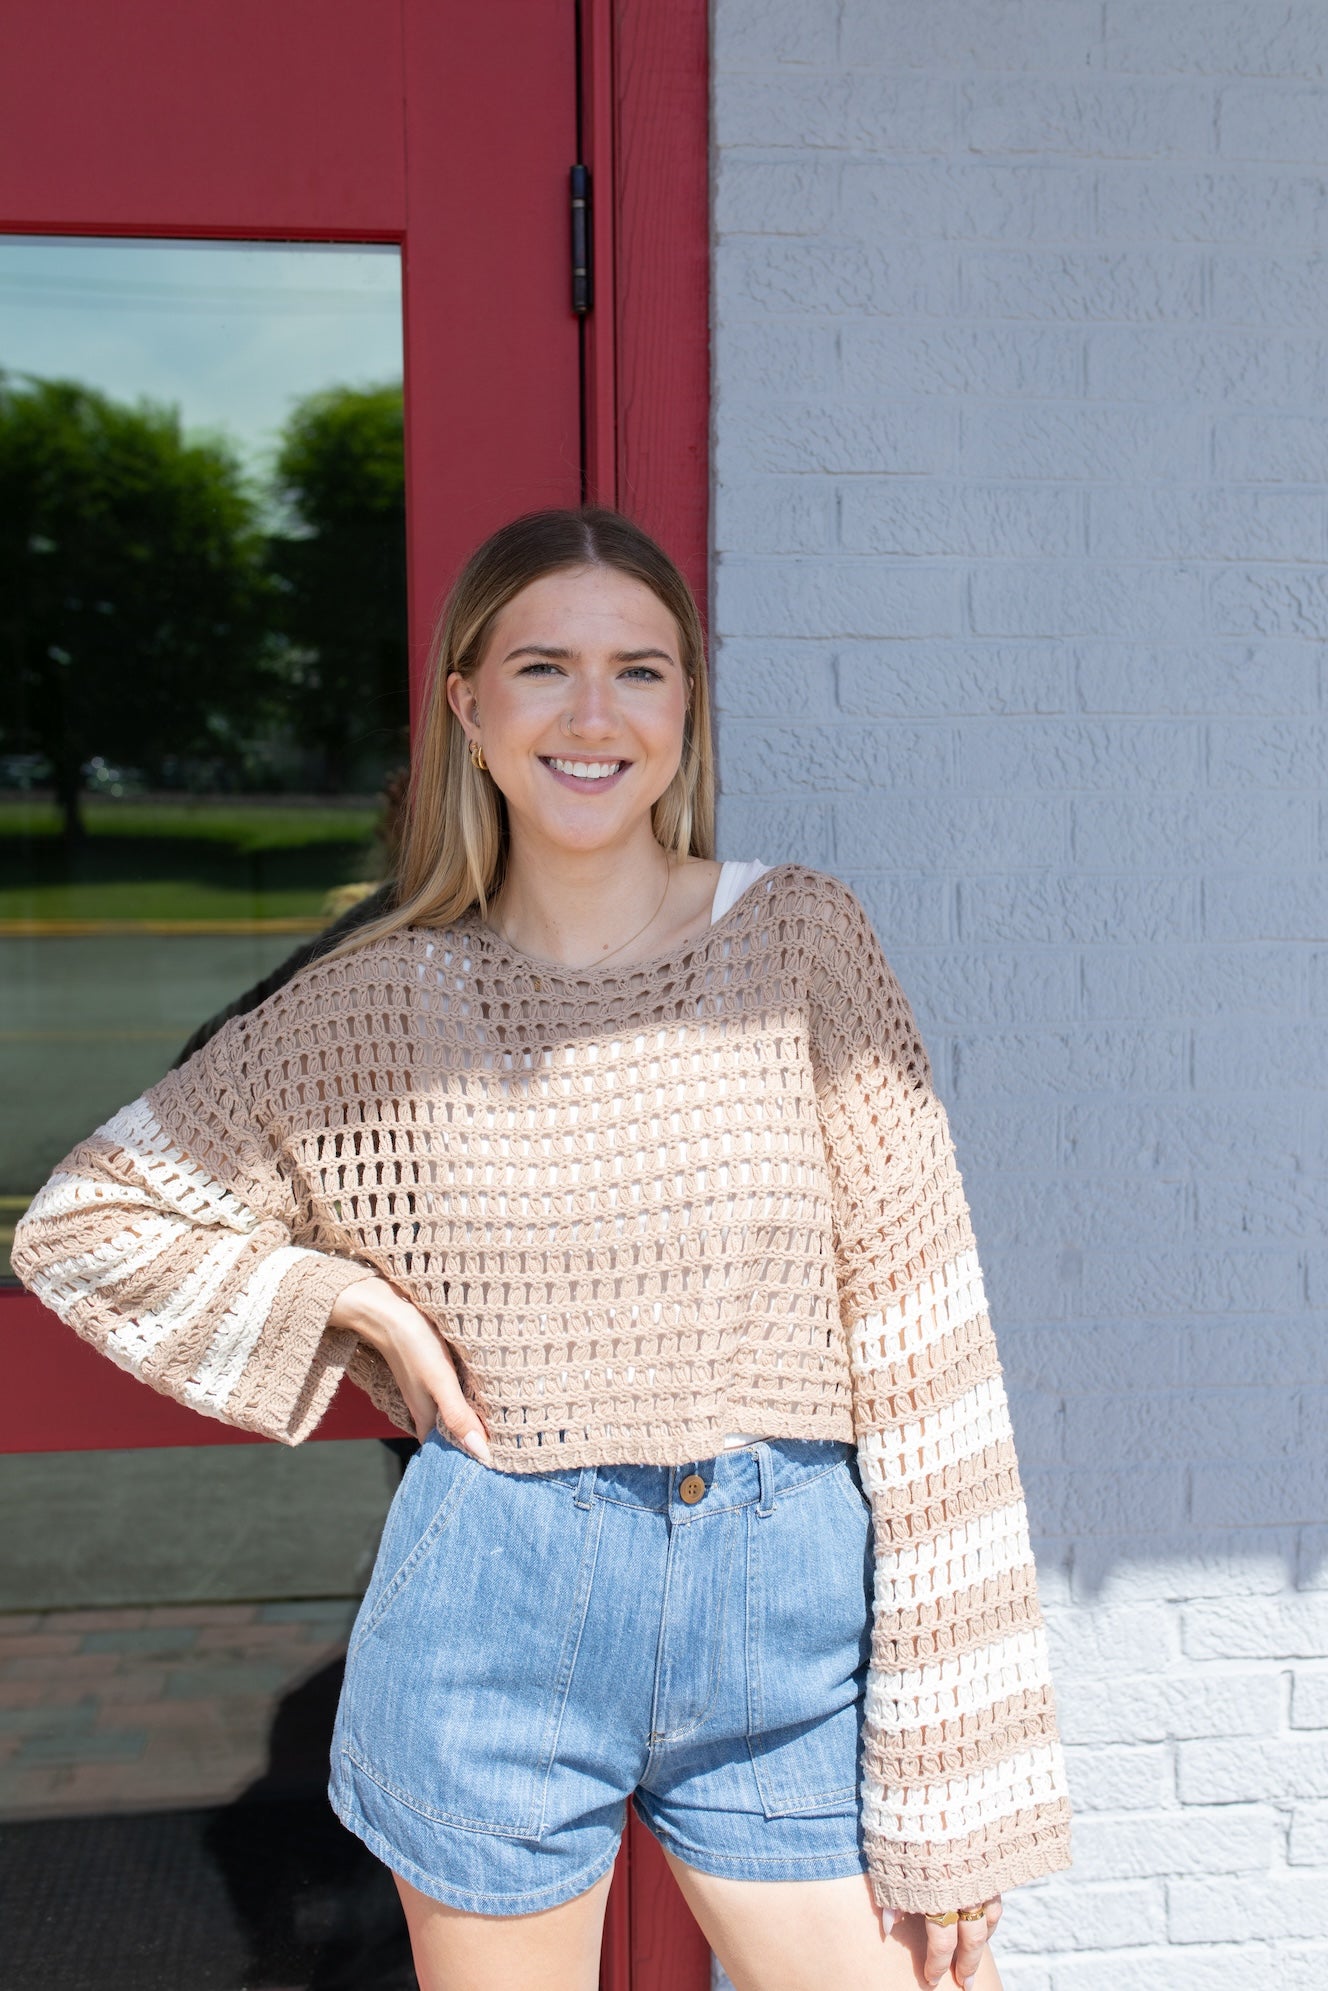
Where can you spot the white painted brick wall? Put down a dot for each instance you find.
(1021, 585)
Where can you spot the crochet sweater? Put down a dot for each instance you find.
(647, 1205)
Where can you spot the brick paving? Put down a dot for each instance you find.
(157, 1706)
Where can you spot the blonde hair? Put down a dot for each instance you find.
(454, 840)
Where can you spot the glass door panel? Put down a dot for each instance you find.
(203, 644)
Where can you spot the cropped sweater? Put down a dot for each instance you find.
(647, 1205)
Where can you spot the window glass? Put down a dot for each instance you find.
(203, 688)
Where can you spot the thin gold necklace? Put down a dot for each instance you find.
(668, 880)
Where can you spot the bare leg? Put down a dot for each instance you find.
(556, 1949)
(802, 1935)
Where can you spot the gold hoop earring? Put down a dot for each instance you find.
(477, 756)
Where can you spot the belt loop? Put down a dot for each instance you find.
(585, 1486)
(766, 1468)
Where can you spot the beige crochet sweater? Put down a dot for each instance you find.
(647, 1205)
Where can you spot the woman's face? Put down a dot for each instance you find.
(583, 669)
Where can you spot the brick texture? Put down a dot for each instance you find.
(1020, 524)
(139, 1708)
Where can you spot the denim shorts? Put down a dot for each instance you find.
(535, 1648)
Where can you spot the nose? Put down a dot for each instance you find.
(591, 711)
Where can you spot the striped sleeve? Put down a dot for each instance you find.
(964, 1784)
(166, 1240)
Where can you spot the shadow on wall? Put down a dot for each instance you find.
(1149, 1193)
(1166, 1428)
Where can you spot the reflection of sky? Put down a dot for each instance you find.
(230, 332)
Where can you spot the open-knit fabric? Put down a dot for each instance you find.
(647, 1204)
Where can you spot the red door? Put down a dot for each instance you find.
(448, 130)
(443, 128)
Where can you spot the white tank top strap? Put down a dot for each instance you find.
(735, 875)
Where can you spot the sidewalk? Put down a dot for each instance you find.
(153, 1707)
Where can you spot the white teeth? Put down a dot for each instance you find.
(589, 770)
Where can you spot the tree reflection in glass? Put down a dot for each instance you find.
(203, 689)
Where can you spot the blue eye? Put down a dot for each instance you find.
(646, 671)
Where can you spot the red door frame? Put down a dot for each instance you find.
(645, 131)
(645, 136)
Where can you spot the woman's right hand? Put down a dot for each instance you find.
(418, 1357)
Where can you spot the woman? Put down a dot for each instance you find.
(617, 1177)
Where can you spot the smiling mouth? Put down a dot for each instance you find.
(585, 770)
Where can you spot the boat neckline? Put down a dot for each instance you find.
(494, 945)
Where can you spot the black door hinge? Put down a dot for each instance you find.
(582, 285)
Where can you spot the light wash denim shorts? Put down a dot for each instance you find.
(535, 1648)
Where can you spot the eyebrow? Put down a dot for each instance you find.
(563, 656)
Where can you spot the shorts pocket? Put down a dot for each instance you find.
(428, 1496)
(808, 1646)
(455, 1688)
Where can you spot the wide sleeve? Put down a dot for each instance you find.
(165, 1238)
(964, 1786)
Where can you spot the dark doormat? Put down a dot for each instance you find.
(267, 1893)
(267, 1896)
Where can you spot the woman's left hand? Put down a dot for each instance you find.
(958, 1946)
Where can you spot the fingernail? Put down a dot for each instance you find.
(474, 1442)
